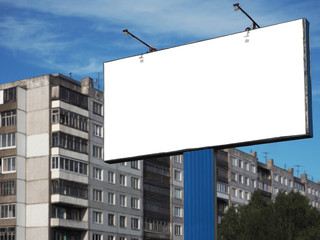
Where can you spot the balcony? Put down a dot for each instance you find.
(67, 223)
(59, 174)
(58, 198)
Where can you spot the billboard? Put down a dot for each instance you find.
(246, 88)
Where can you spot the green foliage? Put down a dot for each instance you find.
(289, 217)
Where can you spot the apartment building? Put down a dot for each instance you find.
(222, 184)
(54, 182)
(242, 175)
(281, 179)
(312, 191)
(246, 174)
(156, 198)
(55, 185)
(176, 197)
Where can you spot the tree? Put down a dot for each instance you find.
(291, 212)
(230, 225)
(289, 217)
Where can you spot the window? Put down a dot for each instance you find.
(135, 203)
(309, 190)
(135, 183)
(97, 151)
(253, 168)
(240, 163)
(135, 223)
(70, 119)
(123, 180)
(97, 217)
(223, 188)
(8, 118)
(111, 220)
(7, 188)
(68, 188)
(97, 108)
(177, 175)
(8, 165)
(10, 95)
(281, 179)
(177, 158)
(69, 142)
(233, 161)
(240, 179)
(276, 177)
(7, 211)
(246, 181)
(97, 173)
(233, 192)
(253, 183)
(111, 177)
(266, 187)
(111, 198)
(246, 166)
(69, 165)
(233, 176)
(123, 221)
(97, 130)
(240, 194)
(123, 201)
(178, 193)
(69, 96)
(122, 238)
(97, 195)
(177, 230)
(177, 211)
(8, 233)
(7, 140)
(66, 213)
(247, 196)
(135, 164)
(111, 237)
(96, 236)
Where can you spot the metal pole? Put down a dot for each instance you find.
(151, 49)
(255, 25)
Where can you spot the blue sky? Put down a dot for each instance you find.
(43, 37)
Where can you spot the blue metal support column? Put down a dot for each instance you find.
(200, 195)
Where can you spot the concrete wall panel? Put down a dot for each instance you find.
(37, 168)
(37, 216)
(38, 191)
(38, 145)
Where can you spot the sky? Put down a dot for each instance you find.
(77, 36)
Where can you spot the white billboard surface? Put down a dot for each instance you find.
(245, 88)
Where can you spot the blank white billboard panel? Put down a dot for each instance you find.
(249, 87)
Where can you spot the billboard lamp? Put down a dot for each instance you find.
(126, 33)
(237, 8)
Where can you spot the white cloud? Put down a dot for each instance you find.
(161, 23)
(29, 35)
(179, 16)
(188, 17)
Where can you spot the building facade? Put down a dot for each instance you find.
(55, 185)
(54, 182)
(246, 174)
(156, 198)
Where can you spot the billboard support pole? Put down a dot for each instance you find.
(200, 215)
